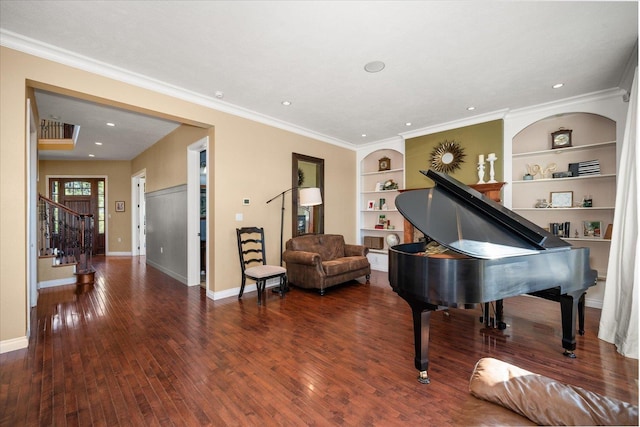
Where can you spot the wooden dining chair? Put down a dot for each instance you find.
(253, 261)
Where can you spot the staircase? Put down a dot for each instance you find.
(55, 135)
(65, 242)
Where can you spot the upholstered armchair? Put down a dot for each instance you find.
(319, 261)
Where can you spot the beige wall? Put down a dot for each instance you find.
(165, 163)
(483, 138)
(118, 179)
(247, 159)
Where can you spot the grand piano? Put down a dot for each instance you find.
(488, 253)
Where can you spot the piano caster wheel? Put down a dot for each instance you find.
(502, 325)
(581, 332)
(569, 354)
(423, 378)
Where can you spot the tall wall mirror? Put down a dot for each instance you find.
(306, 171)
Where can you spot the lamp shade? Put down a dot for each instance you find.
(310, 196)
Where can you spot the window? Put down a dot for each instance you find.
(77, 188)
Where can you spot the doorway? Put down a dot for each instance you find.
(138, 214)
(86, 196)
(198, 238)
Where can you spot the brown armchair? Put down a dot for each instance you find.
(319, 261)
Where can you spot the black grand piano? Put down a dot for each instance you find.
(491, 253)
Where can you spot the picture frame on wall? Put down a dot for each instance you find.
(561, 199)
(120, 206)
(592, 229)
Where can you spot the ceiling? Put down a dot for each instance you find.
(247, 57)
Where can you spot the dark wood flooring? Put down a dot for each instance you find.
(141, 349)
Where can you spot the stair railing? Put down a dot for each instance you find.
(65, 234)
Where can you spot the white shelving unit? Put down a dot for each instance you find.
(370, 209)
(593, 138)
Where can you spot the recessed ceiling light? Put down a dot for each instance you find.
(111, 124)
(557, 85)
(374, 67)
(364, 135)
(408, 124)
(286, 103)
(219, 94)
(98, 143)
(471, 108)
(92, 155)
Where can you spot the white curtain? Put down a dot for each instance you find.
(619, 319)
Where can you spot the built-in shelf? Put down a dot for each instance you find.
(382, 172)
(585, 239)
(378, 211)
(571, 178)
(379, 192)
(378, 251)
(593, 138)
(562, 150)
(547, 210)
(371, 178)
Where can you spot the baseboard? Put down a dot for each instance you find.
(13, 344)
(378, 261)
(118, 254)
(180, 278)
(593, 303)
(233, 292)
(57, 282)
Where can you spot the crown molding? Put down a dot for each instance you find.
(53, 53)
(455, 124)
(567, 103)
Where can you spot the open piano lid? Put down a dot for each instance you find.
(465, 221)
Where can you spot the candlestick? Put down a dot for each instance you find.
(491, 159)
(481, 171)
(481, 158)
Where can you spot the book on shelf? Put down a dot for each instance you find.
(588, 167)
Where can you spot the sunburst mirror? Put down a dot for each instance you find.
(447, 157)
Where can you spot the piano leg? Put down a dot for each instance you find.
(500, 315)
(570, 307)
(581, 314)
(498, 320)
(421, 319)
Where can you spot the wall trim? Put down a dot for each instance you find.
(565, 103)
(124, 253)
(233, 292)
(57, 282)
(13, 344)
(168, 272)
(53, 53)
(455, 124)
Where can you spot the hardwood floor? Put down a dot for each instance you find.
(139, 348)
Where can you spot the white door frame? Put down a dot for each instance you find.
(32, 214)
(138, 232)
(193, 213)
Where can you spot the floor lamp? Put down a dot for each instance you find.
(308, 197)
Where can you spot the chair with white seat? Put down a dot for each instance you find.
(253, 261)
